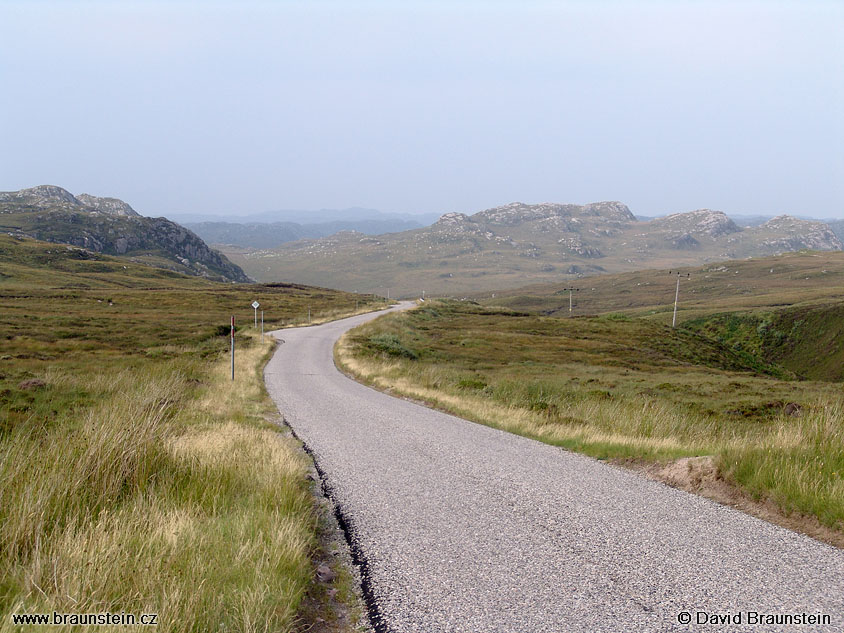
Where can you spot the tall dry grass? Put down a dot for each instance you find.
(165, 498)
(799, 464)
(635, 427)
(79, 469)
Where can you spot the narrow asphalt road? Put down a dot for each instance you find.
(465, 528)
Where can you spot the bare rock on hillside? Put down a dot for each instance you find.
(703, 222)
(796, 234)
(110, 206)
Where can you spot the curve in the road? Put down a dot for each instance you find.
(462, 527)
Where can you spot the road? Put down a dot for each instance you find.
(460, 527)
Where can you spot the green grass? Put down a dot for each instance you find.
(806, 339)
(619, 388)
(134, 474)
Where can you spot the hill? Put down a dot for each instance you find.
(111, 226)
(519, 244)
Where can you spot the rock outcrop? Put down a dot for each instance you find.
(695, 223)
(110, 206)
(795, 234)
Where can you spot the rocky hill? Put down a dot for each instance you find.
(519, 244)
(111, 226)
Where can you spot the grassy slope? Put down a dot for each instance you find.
(134, 475)
(793, 278)
(807, 339)
(786, 309)
(618, 387)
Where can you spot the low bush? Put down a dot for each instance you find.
(391, 345)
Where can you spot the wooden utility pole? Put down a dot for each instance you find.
(571, 290)
(677, 296)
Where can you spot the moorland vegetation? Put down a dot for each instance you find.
(135, 475)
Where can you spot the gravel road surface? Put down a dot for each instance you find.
(460, 527)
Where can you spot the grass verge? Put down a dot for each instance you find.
(167, 498)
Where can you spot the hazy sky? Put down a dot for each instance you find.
(239, 107)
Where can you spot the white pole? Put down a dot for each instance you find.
(232, 347)
(309, 314)
(262, 327)
(256, 317)
(676, 296)
(570, 301)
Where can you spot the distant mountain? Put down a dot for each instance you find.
(519, 244)
(254, 235)
(752, 220)
(111, 226)
(270, 235)
(321, 216)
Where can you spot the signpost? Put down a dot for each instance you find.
(255, 305)
(262, 327)
(232, 347)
